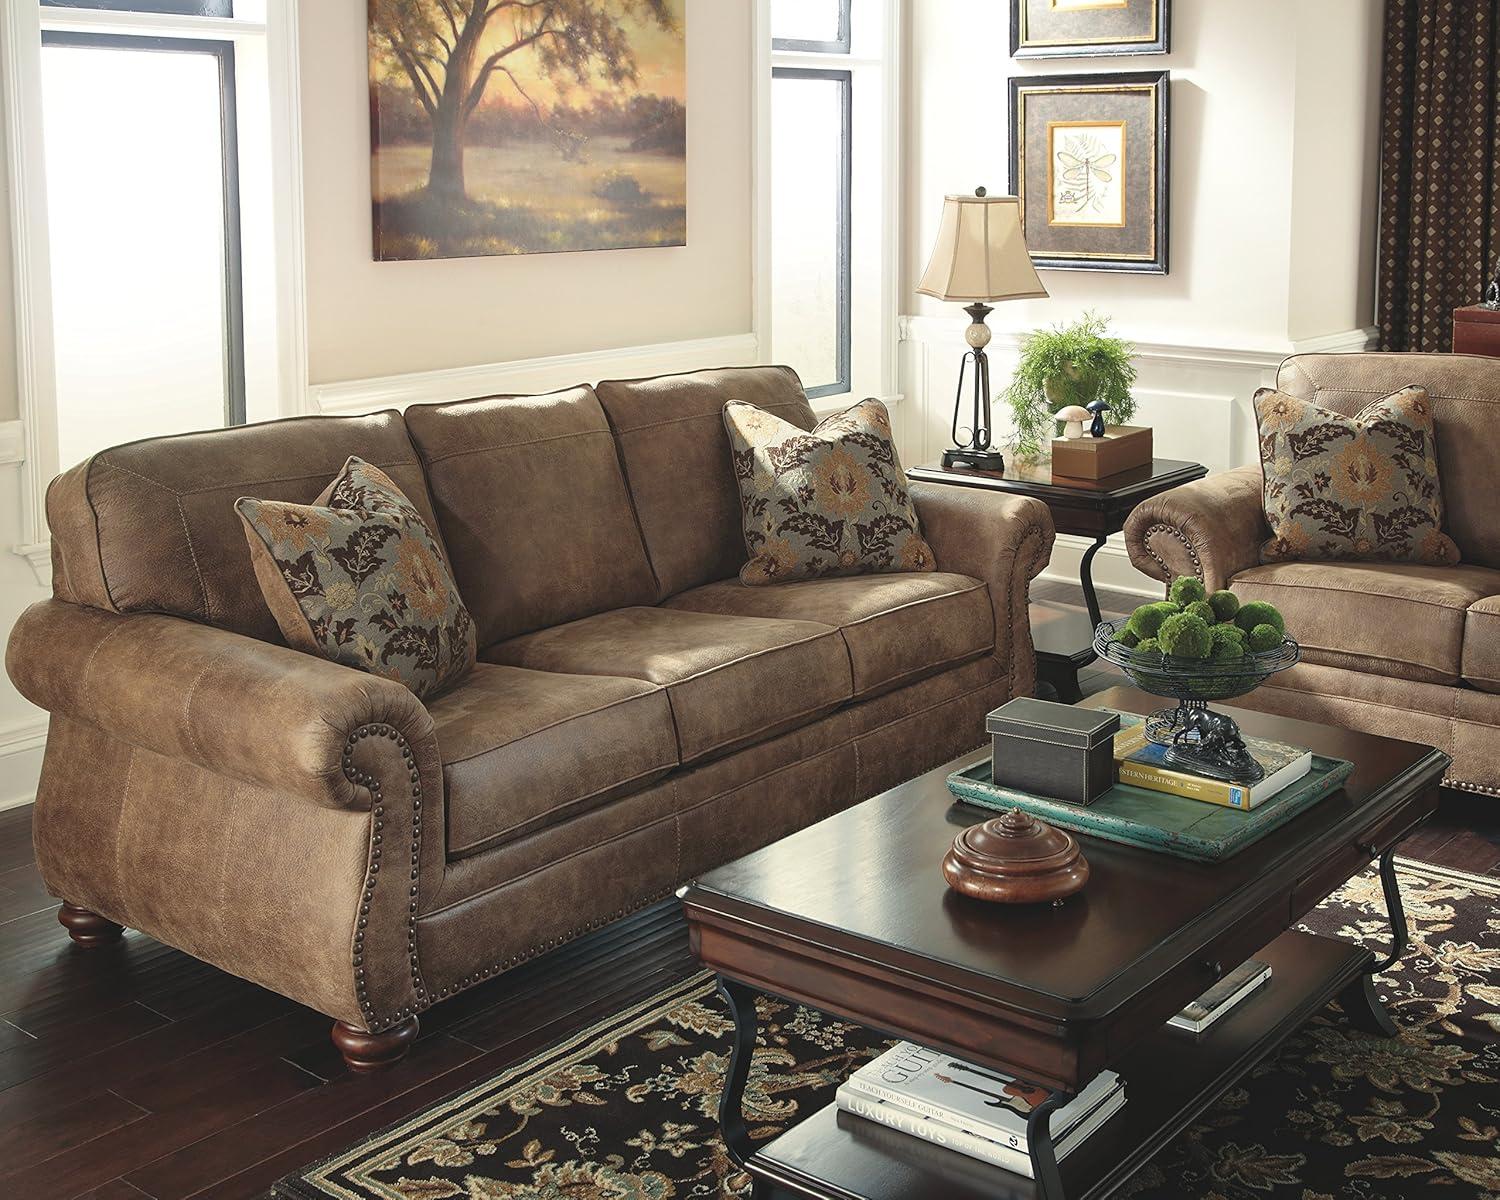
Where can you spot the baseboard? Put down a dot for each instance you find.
(531, 375)
(1112, 568)
(21, 748)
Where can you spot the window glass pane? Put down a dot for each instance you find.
(180, 8)
(810, 226)
(801, 24)
(135, 206)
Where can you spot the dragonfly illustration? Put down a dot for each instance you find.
(1085, 170)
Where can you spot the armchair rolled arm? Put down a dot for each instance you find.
(1005, 541)
(264, 714)
(1212, 528)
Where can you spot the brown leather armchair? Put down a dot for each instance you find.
(636, 716)
(1401, 650)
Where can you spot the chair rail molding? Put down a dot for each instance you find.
(531, 375)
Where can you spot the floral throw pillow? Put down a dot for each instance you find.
(357, 577)
(832, 501)
(1360, 488)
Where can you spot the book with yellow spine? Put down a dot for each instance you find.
(1141, 763)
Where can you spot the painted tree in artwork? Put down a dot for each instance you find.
(453, 51)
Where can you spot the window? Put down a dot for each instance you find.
(825, 269)
(155, 193)
(144, 232)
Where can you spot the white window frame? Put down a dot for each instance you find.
(266, 57)
(876, 198)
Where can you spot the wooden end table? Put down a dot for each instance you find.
(1087, 507)
(852, 916)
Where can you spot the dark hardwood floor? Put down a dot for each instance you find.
(133, 1071)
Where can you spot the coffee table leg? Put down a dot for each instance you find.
(731, 1115)
(1039, 1144)
(1359, 1002)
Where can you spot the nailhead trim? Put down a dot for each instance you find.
(373, 1022)
(1172, 531)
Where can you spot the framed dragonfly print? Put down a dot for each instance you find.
(1086, 28)
(1089, 159)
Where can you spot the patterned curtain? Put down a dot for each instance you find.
(1440, 139)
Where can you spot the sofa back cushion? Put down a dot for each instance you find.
(533, 509)
(150, 526)
(677, 459)
(1464, 392)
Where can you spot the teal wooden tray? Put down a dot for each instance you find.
(1134, 816)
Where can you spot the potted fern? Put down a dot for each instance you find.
(1066, 365)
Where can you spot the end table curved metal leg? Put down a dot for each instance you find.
(741, 1002)
(1361, 1005)
(1086, 578)
(1044, 1171)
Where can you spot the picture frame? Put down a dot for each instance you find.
(1090, 160)
(1089, 28)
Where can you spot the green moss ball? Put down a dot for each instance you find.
(1146, 620)
(1225, 605)
(1127, 639)
(1228, 642)
(1185, 636)
(1148, 646)
(1265, 637)
(1201, 610)
(1258, 612)
(1185, 590)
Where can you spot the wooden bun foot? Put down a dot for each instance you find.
(374, 1051)
(88, 928)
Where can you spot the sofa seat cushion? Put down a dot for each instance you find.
(523, 749)
(898, 628)
(731, 680)
(1397, 619)
(1481, 662)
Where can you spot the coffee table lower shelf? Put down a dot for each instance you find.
(835, 1154)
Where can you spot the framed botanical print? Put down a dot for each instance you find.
(1089, 158)
(1085, 28)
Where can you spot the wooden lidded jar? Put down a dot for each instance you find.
(1015, 859)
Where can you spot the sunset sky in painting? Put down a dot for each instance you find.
(659, 53)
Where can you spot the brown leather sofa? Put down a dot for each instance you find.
(637, 715)
(1400, 650)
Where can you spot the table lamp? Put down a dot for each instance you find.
(980, 256)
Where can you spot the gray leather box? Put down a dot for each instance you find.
(1054, 750)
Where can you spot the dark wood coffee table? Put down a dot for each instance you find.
(852, 917)
(1092, 508)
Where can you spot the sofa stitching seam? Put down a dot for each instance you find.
(656, 689)
(1323, 587)
(708, 416)
(187, 702)
(885, 612)
(536, 441)
(219, 487)
(187, 535)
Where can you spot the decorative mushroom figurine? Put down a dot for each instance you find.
(1098, 408)
(1075, 415)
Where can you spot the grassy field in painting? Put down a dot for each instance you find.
(526, 198)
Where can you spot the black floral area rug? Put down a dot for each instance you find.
(626, 1109)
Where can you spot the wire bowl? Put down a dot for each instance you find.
(1191, 678)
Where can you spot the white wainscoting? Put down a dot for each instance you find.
(23, 727)
(1195, 398)
(531, 375)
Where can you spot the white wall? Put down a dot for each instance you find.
(369, 318)
(1272, 216)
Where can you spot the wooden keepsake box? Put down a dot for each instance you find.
(1122, 448)
(1053, 750)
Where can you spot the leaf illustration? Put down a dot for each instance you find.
(361, 557)
(1331, 517)
(1316, 439)
(1397, 526)
(1390, 1166)
(820, 532)
(301, 575)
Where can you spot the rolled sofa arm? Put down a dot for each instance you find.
(1212, 528)
(260, 713)
(266, 810)
(1005, 541)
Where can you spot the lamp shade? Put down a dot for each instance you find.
(981, 252)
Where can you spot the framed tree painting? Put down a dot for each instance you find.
(1089, 158)
(526, 126)
(1085, 28)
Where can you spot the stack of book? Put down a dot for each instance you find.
(982, 1113)
(1142, 763)
(972, 1110)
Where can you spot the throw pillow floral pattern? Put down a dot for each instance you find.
(1362, 488)
(830, 501)
(358, 577)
